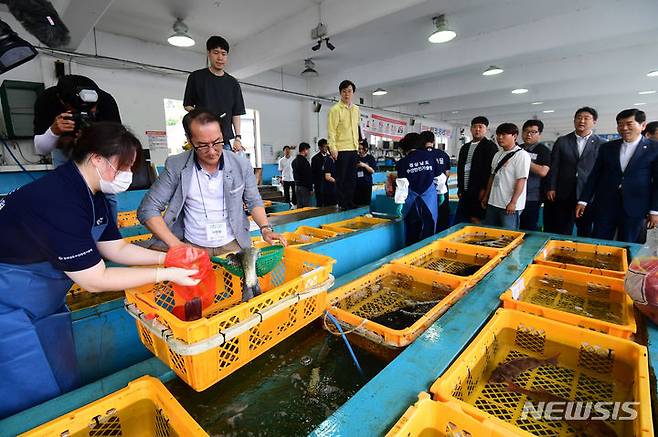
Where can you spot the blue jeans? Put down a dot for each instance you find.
(498, 217)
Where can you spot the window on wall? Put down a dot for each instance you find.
(249, 129)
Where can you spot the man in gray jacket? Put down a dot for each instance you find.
(572, 159)
(201, 192)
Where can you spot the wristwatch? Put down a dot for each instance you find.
(268, 226)
(238, 137)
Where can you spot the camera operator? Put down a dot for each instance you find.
(62, 110)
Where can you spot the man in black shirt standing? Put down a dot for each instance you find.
(301, 171)
(365, 167)
(213, 88)
(473, 170)
(540, 164)
(317, 164)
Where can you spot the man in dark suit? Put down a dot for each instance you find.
(473, 170)
(624, 182)
(572, 159)
(317, 162)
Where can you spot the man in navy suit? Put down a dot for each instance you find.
(624, 182)
(572, 159)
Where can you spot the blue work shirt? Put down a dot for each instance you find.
(51, 220)
(442, 160)
(363, 176)
(420, 168)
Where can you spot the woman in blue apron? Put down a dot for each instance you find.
(57, 230)
(416, 193)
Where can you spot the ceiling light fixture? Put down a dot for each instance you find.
(549, 111)
(317, 46)
(639, 104)
(492, 71)
(642, 93)
(180, 38)
(519, 91)
(455, 112)
(653, 73)
(309, 69)
(379, 92)
(537, 103)
(442, 32)
(330, 46)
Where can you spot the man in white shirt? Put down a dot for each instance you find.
(623, 185)
(202, 193)
(287, 178)
(505, 197)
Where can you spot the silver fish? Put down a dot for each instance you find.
(247, 258)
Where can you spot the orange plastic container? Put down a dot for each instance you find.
(358, 223)
(428, 418)
(467, 262)
(390, 289)
(136, 238)
(126, 219)
(578, 299)
(591, 367)
(589, 258)
(232, 333)
(145, 408)
(500, 239)
(293, 239)
(337, 229)
(322, 234)
(292, 211)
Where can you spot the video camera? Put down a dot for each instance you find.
(83, 102)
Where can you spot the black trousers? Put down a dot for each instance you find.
(418, 224)
(560, 216)
(303, 196)
(346, 179)
(363, 194)
(443, 219)
(319, 198)
(287, 187)
(530, 215)
(616, 223)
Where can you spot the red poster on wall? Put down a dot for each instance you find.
(382, 126)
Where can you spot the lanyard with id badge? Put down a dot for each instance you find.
(215, 224)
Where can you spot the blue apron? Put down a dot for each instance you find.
(429, 198)
(37, 352)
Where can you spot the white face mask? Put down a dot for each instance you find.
(121, 182)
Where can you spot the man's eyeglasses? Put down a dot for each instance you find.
(532, 132)
(217, 144)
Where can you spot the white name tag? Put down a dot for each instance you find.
(215, 231)
(359, 174)
(467, 168)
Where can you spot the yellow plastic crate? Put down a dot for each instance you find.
(322, 234)
(365, 305)
(428, 418)
(494, 238)
(144, 408)
(292, 238)
(126, 219)
(589, 258)
(591, 367)
(136, 238)
(578, 299)
(231, 333)
(292, 211)
(460, 260)
(358, 223)
(337, 229)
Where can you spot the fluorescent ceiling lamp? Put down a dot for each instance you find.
(653, 73)
(492, 71)
(455, 112)
(537, 103)
(519, 91)
(180, 38)
(647, 92)
(549, 111)
(639, 104)
(379, 92)
(441, 33)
